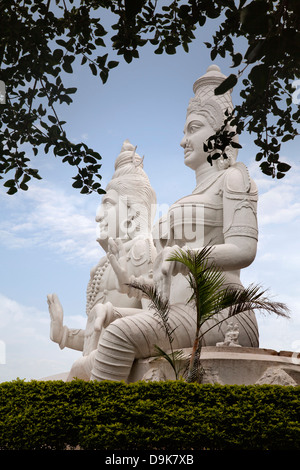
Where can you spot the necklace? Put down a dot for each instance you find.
(93, 287)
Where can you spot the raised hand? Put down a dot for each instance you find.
(56, 315)
(164, 270)
(104, 315)
(117, 258)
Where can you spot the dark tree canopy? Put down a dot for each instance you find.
(40, 40)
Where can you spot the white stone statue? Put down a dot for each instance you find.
(125, 218)
(221, 211)
(231, 336)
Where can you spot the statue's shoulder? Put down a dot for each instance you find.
(142, 251)
(238, 180)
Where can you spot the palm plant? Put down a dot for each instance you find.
(161, 308)
(210, 296)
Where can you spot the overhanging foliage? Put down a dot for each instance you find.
(40, 41)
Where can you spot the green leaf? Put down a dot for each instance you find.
(77, 184)
(287, 137)
(283, 167)
(101, 60)
(128, 56)
(25, 179)
(226, 85)
(18, 174)
(266, 168)
(70, 91)
(93, 68)
(159, 50)
(236, 145)
(85, 190)
(9, 183)
(12, 190)
(61, 42)
(254, 17)
(104, 76)
(255, 51)
(170, 49)
(52, 119)
(236, 59)
(185, 46)
(112, 64)
(100, 42)
(67, 67)
(259, 76)
(57, 55)
(213, 54)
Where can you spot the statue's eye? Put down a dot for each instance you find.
(195, 127)
(108, 203)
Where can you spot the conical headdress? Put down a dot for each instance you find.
(206, 102)
(131, 181)
(129, 158)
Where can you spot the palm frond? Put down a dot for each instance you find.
(210, 296)
(253, 298)
(173, 358)
(161, 309)
(150, 291)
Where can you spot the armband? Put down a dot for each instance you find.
(64, 338)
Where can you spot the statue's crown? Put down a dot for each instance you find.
(205, 98)
(128, 156)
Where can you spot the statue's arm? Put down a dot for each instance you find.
(239, 222)
(239, 230)
(135, 268)
(72, 338)
(60, 333)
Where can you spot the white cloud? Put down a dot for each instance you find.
(281, 333)
(279, 204)
(48, 217)
(29, 351)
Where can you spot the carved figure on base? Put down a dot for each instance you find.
(231, 336)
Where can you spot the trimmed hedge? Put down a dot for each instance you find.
(171, 415)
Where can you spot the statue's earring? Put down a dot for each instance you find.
(225, 162)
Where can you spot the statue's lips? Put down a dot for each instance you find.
(187, 152)
(103, 227)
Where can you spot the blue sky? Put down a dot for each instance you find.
(48, 234)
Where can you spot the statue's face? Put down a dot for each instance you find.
(114, 216)
(107, 215)
(111, 215)
(196, 131)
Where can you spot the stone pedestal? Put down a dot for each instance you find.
(224, 365)
(229, 366)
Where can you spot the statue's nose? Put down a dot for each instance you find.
(100, 214)
(183, 142)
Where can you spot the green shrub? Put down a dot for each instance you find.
(171, 415)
